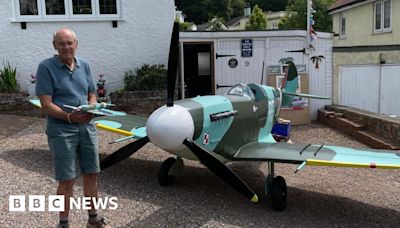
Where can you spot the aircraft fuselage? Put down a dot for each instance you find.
(223, 124)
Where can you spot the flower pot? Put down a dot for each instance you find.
(101, 92)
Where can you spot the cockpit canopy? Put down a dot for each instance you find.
(242, 90)
(252, 91)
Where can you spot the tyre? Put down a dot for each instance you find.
(164, 178)
(279, 194)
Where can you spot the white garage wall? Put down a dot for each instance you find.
(142, 37)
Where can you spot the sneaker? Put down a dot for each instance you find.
(98, 224)
(62, 226)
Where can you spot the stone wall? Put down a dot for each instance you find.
(139, 102)
(17, 104)
(134, 102)
(385, 126)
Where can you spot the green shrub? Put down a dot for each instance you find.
(147, 77)
(8, 79)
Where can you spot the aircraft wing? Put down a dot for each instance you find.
(124, 124)
(319, 155)
(306, 95)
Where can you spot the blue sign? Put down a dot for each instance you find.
(247, 48)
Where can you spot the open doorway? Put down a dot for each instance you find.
(198, 69)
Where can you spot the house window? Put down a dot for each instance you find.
(382, 13)
(28, 7)
(55, 7)
(67, 10)
(342, 25)
(82, 7)
(108, 6)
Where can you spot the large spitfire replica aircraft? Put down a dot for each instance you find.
(235, 127)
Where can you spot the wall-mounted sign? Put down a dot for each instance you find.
(233, 63)
(247, 48)
(301, 69)
(274, 69)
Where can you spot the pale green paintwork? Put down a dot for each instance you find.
(36, 102)
(216, 129)
(265, 133)
(368, 156)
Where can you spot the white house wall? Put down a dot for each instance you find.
(142, 37)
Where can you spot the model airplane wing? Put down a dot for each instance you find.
(319, 155)
(118, 122)
(126, 124)
(99, 109)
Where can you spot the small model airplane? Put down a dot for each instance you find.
(217, 130)
(98, 109)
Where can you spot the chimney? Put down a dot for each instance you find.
(247, 10)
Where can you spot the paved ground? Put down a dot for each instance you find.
(318, 196)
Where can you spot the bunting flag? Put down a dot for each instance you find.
(313, 34)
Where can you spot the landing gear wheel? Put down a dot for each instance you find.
(278, 194)
(164, 178)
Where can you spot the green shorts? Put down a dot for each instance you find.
(72, 144)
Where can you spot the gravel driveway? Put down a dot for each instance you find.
(317, 196)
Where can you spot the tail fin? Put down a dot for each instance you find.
(291, 81)
(290, 85)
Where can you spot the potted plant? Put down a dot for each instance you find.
(8, 79)
(101, 91)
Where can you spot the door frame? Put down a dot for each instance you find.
(182, 63)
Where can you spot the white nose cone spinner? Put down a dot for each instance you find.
(167, 127)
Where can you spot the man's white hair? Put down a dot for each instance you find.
(64, 29)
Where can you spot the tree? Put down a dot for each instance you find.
(258, 20)
(297, 19)
(200, 11)
(185, 26)
(270, 5)
(216, 24)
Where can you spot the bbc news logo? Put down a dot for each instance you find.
(57, 203)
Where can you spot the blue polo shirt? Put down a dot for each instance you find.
(66, 87)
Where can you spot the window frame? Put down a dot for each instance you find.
(342, 34)
(382, 17)
(69, 15)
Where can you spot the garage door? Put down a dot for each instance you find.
(370, 87)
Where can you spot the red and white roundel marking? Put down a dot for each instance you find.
(206, 138)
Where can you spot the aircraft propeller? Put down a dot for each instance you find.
(132, 147)
(123, 152)
(221, 170)
(173, 64)
(159, 123)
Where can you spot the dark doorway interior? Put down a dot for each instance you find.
(198, 69)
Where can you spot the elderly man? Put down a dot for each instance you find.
(66, 79)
